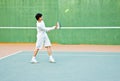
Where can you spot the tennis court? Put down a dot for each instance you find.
(70, 66)
(85, 38)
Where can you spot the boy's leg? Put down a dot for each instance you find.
(35, 52)
(49, 50)
(34, 56)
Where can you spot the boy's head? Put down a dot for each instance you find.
(38, 15)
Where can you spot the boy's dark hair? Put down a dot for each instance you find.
(38, 15)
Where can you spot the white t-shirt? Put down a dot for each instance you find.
(42, 37)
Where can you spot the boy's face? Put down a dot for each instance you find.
(40, 19)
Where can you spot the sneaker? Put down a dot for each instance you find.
(34, 60)
(51, 60)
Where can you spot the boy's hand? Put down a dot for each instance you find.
(57, 26)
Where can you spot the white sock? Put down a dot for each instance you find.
(51, 56)
(33, 57)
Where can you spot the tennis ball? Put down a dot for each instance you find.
(67, 10)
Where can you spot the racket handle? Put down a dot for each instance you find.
(58, 25)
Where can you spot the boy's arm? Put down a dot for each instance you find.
(50, 28)
(47, 29)
(54, 27)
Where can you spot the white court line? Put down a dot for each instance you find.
(118, 54)
(86, 55)
(63, 27)
(55, 53)
(60, 55)
(67, 55)
(10, 55)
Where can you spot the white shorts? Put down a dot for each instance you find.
(42, 41)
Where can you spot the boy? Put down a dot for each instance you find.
(42, 38)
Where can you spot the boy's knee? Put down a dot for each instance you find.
(48, 46)
(36, 49)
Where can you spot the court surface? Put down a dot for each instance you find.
(69, 66)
